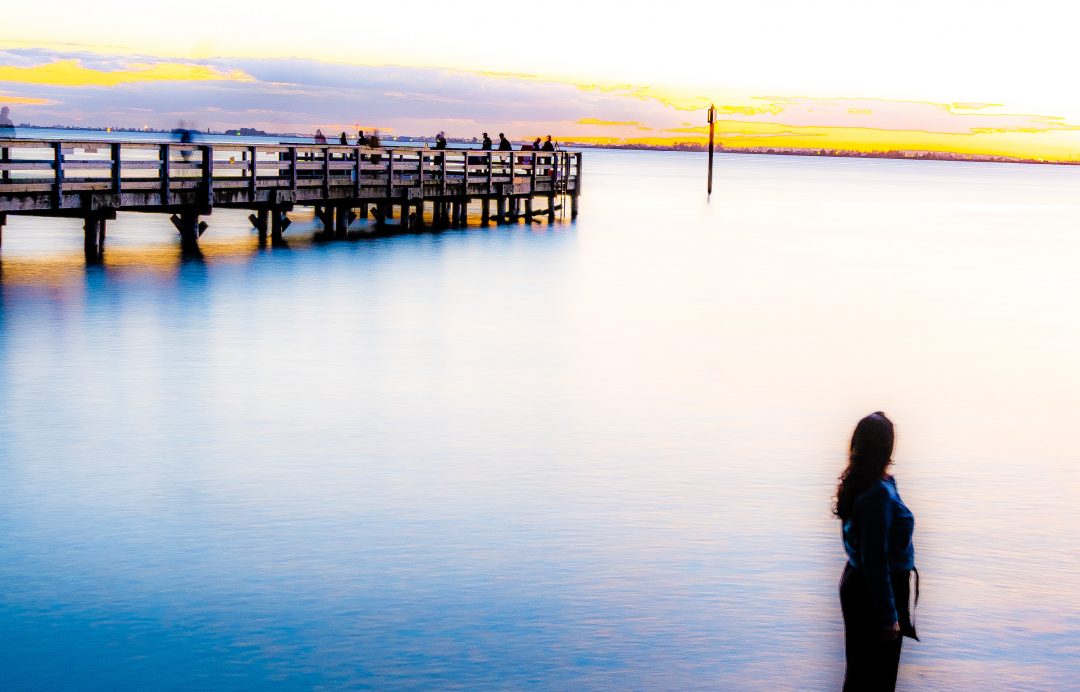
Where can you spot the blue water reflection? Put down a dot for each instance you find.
(596, 454)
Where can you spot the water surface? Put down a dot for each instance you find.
(584, 455)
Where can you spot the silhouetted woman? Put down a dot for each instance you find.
(874, 589)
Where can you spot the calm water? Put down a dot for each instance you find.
(584, 455)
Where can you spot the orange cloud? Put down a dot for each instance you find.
(74, 73)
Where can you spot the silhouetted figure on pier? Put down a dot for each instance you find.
(440, 140)
(185, 135)
(320, 138)
(486, 146)
(504, 143)
(548, 144)
(7, 128)
(344, 139)
(875, 587)
(374, 142)
(361, 140)
(536, 144)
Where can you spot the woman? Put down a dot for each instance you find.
(877, 530)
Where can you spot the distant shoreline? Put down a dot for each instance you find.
(691, 147)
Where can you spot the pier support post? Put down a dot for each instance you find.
(325, 214)
(515, 209)
(94, 238)
(485, 211)
(416, 217)
(502, 210)
(261, 222)
(551, 208)
(573, 206)
(382, 213)
(341, 224)
(190, 228)
(529, 209)
(279, 221)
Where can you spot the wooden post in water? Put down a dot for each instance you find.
(712, 127)
(92, 230)
(341, 221)
(279, 222)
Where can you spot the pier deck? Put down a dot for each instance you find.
(428, 188)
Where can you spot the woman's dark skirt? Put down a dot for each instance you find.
(872, 663)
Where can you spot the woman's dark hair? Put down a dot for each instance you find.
(870, 455)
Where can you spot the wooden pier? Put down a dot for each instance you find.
(404, 189)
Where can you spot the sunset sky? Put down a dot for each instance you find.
(950, 76)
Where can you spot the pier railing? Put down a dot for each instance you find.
(40, 175)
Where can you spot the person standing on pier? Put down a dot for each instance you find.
(504, 143)
(536, 144)
(320, 138)
(440, 140)
(548, 145)
(877, 535)
(344, 139)
(486, 146)
(361, 140)
(7, 128)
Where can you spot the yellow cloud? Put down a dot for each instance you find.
(609, 123)
(6, 100)
(749, 110)
(1048, 145)
(74, 73)
(968, 106)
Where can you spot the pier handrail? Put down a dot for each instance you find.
(63, 167)
(95, 180)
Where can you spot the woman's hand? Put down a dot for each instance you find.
(891, 633)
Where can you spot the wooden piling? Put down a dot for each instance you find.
(94, 238)
(260, 220)
(279, 222)
(188, 225)
(341, 222)
(712, 128)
